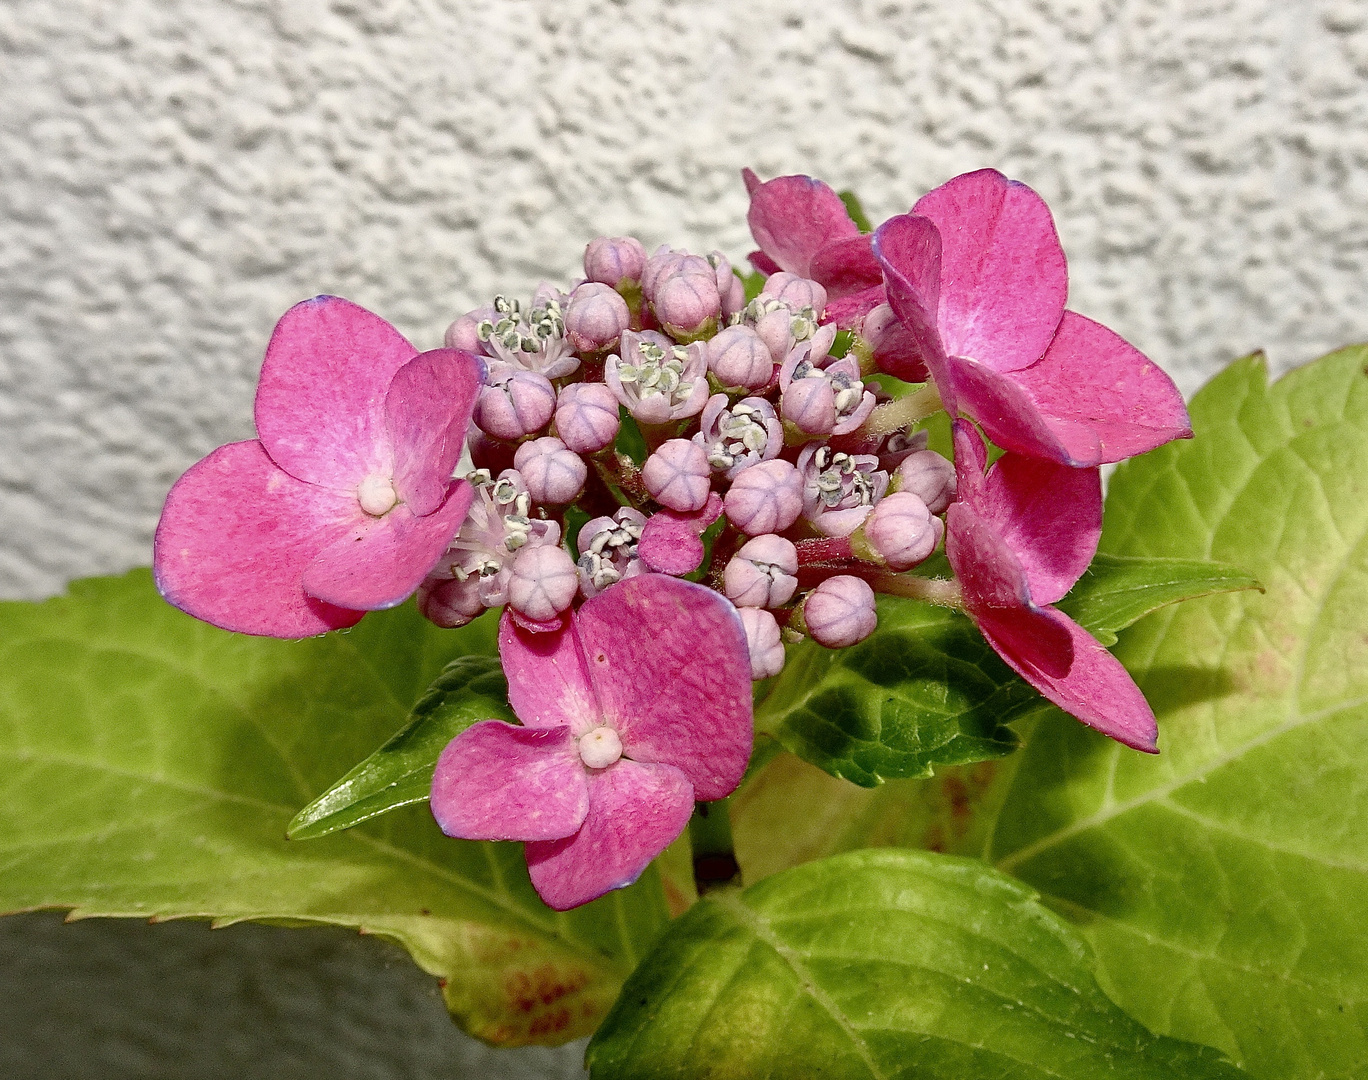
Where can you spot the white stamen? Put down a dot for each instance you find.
(600, 747)
(377, 495)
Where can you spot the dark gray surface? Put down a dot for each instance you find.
(113, 999)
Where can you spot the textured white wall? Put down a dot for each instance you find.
(174, 175)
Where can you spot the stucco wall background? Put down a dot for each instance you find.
(174, 175)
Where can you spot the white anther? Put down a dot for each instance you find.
(600, 747)
(377, 495)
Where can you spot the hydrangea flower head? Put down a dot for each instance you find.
(636, 707)
(345, 500)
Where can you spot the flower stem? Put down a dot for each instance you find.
(710, 836)
(943, 592)
(896, 415)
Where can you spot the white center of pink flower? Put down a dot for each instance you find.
(600, 747)
(377, 495)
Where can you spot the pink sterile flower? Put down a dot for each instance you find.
(672, 542)
(345, 500)
(803, 227)
(977, 278)
(638, 706)
(1018, 538)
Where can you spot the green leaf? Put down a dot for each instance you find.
(149, 766)
(754, 282)
(879, 964)
(856, 211)
(1224, 884)
(630, 440)
(469, 689)
(923, 690)
(1117, 591)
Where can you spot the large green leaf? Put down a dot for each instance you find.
(149, 765)
(1224, 884)
(878, 964)
(469, 689)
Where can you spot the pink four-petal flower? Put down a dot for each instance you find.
(978, 279)
(1018, 538)
(345, 500)
(638, 705)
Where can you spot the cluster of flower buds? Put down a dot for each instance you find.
(759, 455)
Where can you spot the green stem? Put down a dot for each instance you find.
(943, 592)
(896, 415)
(710, 836)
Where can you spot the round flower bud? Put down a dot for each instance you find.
(678, 475)
(553, 474)
(738, 357)
(810, 405)
(687, 302)
(930, 477)
(587, 417)
(761, 573)
(733, 297)
(840, 612)
(901, 531)
(775, 329)
(667, 261)
(514, 403)
(797, 292)
(448, 602)
(763, 643)
(765, 498)
(611, 259)
(596, 317)
(544, 581)
(464, 333)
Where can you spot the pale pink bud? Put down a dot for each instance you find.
(544, 581)
(552, 472)
(664, 262)
(678, 475)
(776, 331)
(733, 297)
(595, 317)
(930, 477)
(514, 402)
(797, 292)
(762, 573)
(587, 417)
(686, 302)
(840, 612)
(612, 259)
(738, 357)
(722, 271)
(448, 602)
(765, 498)
(464, 332)
(763, 642)
(901, 530)
(810, 405)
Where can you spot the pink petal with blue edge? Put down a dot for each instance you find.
(793, 217)
(235, 538)
(1003, 277)
(427, 409)
(636, 810)
(671, 668)
(320, 404)
(382, 560)
(495, 781)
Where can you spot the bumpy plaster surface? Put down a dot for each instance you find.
(175, 173)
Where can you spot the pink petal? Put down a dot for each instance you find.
(1084, 680)
(427, 410)
(763, 263)
(1102, 397)
(671, 542)
(320, 405)
(495, 781)
(1002, 406)
(382, 560)
(793, 217)
(846, 266)
(671, 668)
(548, 684)
(1003, 277)
(235, 537)
(636, 810)
(988, 570)
(849, 310)
(1048, 515)
(909, 249)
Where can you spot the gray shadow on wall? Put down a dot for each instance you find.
(107, 999)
